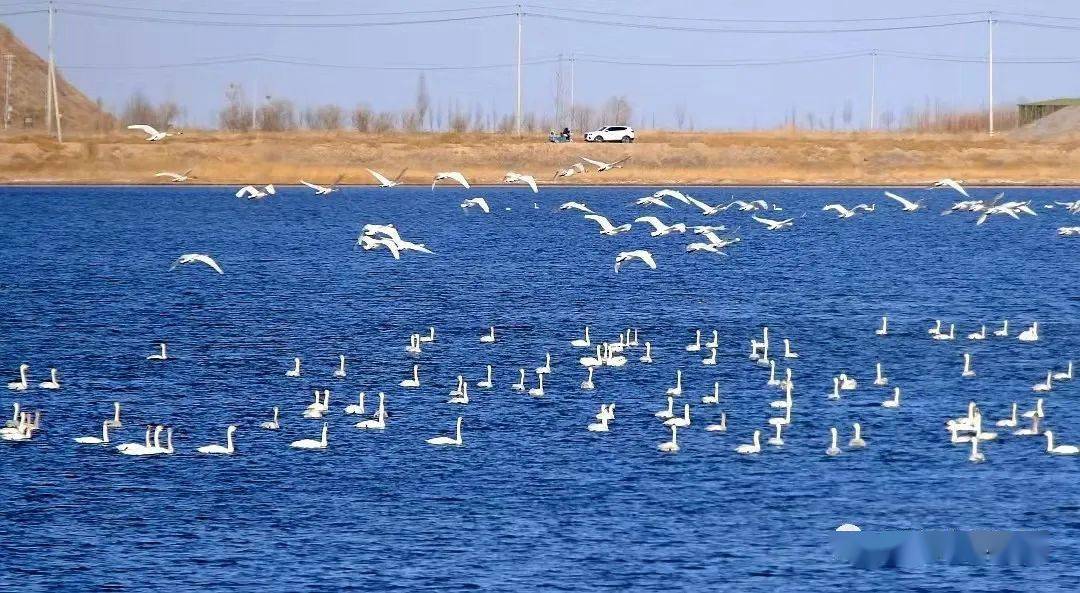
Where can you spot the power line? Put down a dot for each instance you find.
(595, 59)
(209, 23)
(282, 14)
(291, 61)
(610, 23)
(777, 21)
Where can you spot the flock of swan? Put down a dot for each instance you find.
(599, 360)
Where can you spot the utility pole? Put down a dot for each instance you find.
(254, 104)
(873, 86)
(48, 78)
(517, 109)
(53, 93)
(990, 64)
(9, 62)
(573, 109)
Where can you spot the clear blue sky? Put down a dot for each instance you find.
(715, 98)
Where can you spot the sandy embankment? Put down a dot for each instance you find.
(664, 158)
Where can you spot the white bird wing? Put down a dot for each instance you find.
(148, 130)
(483, 205)
(696, 202)
(597, 164)
(621, 161)
(672, 193)
(605, 224)
(772, 224)
(531, 181)
(838, 209)
(317, 188)
(188, 258)
(247, 190)
(380, 178)
(639, 254)
(270, 189)
(174, 176)
(906, 203)
(458, 177)
(576, 206)
(761, 204)
(953, 184)
(654, 221)
(712, 237)
(392, 246)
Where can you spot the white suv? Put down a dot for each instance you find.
(611, 134)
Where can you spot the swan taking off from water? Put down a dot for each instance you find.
(833, 449)
(176, 177)
(652, 201)
(321, 190)
(606, 228)
(191, 258)
(671, 446)
(295, 371)
(253, 193)
(576, 206)
(383, 181)
(905, 203)
(274, 424)
(659, 228)
(453, 441)
(752, 448)
(640, 254)
(512, 177)
(1059, 449)
(480, 203)
(452, 175)
(22, 383)
(602, 166)
(953, 183)
(884, 329)
(894, 402)
(775, 225)
(312, 443)
(414, 382)
(569, 171)
(488, 338)
(52, 383)
(1030, 334)
(228, 449)
(103, 440)
(152, 135)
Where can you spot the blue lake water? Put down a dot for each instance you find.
(532, 501)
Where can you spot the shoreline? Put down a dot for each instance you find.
(1048, 185)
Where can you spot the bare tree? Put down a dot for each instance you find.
(680, 115)
(423, 101)
(363, 118)
(846, 114)
(324, 117)
(887, 118)
(617, 110)
(236, 115)
(276, 115)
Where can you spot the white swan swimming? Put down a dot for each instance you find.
(378, 422)
(676, 391)
(847, 383)
(714, 398)
(968, 371)
(602, 424)
(787, 402)
(588, 382)
(356, 409)
(1031, 431)
(485, 383)
(274, 424)
(607, 411)
(1060, 449)
(667, 412)
(452, 441)
(611, 358)
(671, 446)
(22, 383)
(880, 380)
(949, 336)
(773, 381)
(1066, 375)
(788, 352)
(52, 383)
(463, 397)
(787, 382)
(833, 449)
(835, 388)
(414, 344)
(696, 344)
(1004, 331)
(777, 440)
(752, 448)
(460, 388)
(894, 402)
(884, 329)
(979, 335)
(721, 427)
(715, 341)
(295, 371)
(312, 443)
(592, 361)
(162, 353)
(340, 372)
(228, 449)
(21, 432)
(857, 442)
(430, 337)
(115, 422)
(538, 391)
(102, 440)
(520, 385)
(711, 359)
(936, 329)
(543, 370)
(1030, 334)
(1009, 422)
(582, 342)
(785, 419)
(680, 421)
(976, 456)
(488, 338)
(647, 357)
(414, 382)
(1046, 385)
(1037, 411)
(155, 449)
(145, 445)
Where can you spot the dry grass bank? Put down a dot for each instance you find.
(666, 158)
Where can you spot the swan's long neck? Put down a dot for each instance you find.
(148, 429)
(157, 436)
(53, 375)
(324, 434)
(489, 373)
(275, 414)
(674, 435)
(521, 372)
(1014, 412)
(416, 373)
(757, 439)
(858, 430)
(458, 433)
(1049, 440)
(104, 432)
(772, 370)
(341, 363)
(884, 323)
(834, 436)
(116, 412)
(586, 334)
(168, 441)
(697, 338)
(229, 440)
(22, 374)
(296, 365)
(163, 350)
(678, 379)
(879, 370)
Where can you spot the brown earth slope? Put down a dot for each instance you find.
(29, 72)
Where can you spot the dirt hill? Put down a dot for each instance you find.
(1064, 123)
(28, 76)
